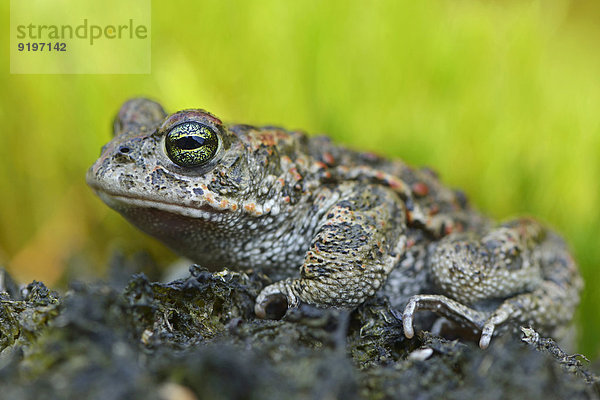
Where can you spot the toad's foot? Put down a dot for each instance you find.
(453, 310)
(275, 299)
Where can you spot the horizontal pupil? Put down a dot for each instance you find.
(190, 142)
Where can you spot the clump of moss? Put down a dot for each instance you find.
(199, 335)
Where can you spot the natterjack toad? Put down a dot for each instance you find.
(330, 226)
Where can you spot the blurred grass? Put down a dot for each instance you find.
(501, 98)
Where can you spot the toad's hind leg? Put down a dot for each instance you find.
(357, 243)
(520, 265)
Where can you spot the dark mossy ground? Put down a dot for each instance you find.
(197, 338)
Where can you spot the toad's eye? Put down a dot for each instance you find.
(191, 144)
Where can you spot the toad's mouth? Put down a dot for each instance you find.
(126, 203)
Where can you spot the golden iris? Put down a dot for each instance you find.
(191, 144)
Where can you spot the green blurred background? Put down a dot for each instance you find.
(501, 97)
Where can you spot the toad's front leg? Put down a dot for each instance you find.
(357, 243)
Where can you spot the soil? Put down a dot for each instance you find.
(198, 338)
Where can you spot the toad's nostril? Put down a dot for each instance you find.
(124, 149)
